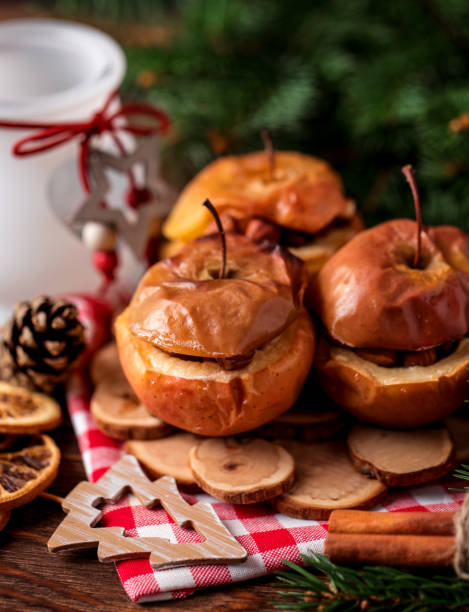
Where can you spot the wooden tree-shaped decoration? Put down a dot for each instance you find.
(77, 529)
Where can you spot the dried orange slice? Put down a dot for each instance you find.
(26, 412)
(28, 467)
(6, 441)
(4, 518)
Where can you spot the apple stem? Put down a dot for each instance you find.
(408, 172)
(269, 150)
(221, 232)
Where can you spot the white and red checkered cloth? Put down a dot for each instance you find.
(267, 536)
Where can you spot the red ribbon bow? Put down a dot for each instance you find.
(51, 135)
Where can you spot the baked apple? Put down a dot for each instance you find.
(395, 306)
(288, 198)
(218, 354)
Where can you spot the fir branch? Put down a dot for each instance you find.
(328, 78)
(371, 588)
(462, 472)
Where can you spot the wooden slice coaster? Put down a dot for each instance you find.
(26, 469)
(120, 414)
(26, 412)
(325, 480)
(458, 427)
(241, 471)
(302, 424)
(401, 458)
(106, 364)
(167, 457)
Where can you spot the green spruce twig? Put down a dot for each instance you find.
(344, 89)
(372, 588)
(462, 472)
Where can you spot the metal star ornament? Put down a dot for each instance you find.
(96, 207)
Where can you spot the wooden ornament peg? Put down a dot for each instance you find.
(78, 530)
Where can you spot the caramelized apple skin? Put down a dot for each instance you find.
(369, 295)
(406, 325)
(182, 307)
(207, 400)
(304, 194)
(454, 245)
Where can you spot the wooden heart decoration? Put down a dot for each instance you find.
(77, 529)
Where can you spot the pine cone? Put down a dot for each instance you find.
(41, 344)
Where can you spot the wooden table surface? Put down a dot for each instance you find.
(31, 578)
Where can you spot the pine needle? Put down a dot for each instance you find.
(461, 472)
(372, 588)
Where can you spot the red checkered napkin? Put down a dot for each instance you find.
(267, 536)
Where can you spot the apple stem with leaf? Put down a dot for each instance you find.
(408, 172)
(221, 232)
(269, 150)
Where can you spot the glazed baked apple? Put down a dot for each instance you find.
(394, 302)
(291, 199)
(218, 354)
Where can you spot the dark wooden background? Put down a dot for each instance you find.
(31, 578)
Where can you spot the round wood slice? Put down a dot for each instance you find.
(301, 424)
(459, 429)
(26, 412)
(120, 414)
(106, 364)
(241, 471)
(325, 480)
(401, 458)
(167, 457)
(27, 468)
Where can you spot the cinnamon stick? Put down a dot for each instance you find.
(397, 523)
(391, 550)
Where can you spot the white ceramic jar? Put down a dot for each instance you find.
(50, 71)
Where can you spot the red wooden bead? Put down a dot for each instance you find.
(138, 196)
(106, 262)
